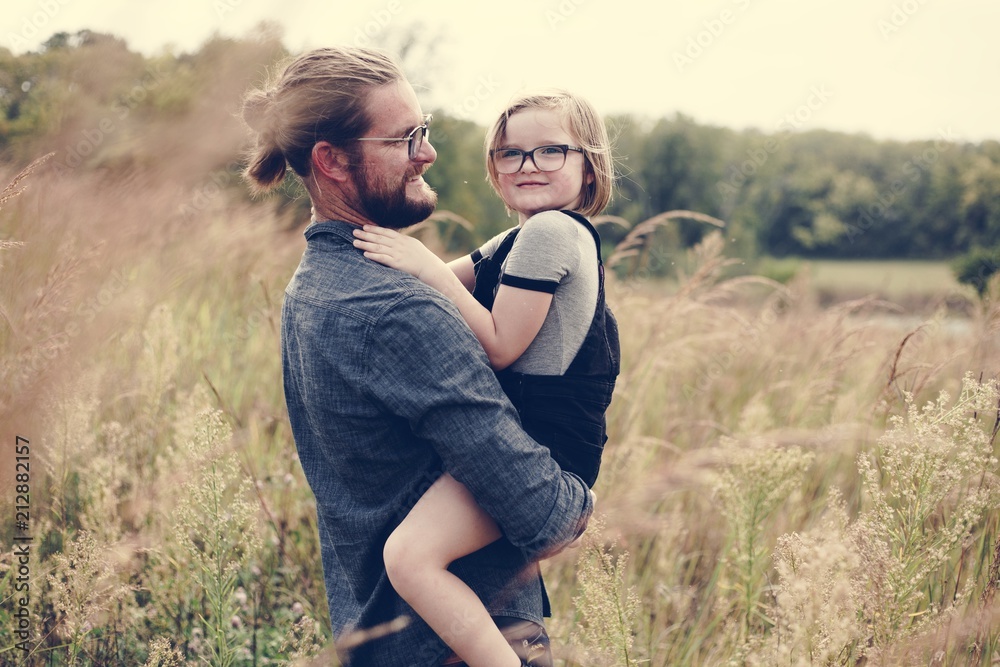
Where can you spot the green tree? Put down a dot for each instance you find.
(977, 267)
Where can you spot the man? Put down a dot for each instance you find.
(385, 384)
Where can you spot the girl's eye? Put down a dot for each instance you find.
(510, 154)
(551, 150)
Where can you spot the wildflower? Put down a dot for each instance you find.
(83, 585)
(609, 609)
(163, 654)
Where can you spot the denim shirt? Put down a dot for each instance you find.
(386, 386)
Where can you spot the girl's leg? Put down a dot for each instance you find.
(444, 525)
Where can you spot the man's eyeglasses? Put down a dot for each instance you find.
(546, 158)
(415, 137)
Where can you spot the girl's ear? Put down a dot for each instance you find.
(331, 161)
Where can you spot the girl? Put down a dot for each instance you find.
(534, 297)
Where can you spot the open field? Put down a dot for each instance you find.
(785, 482)
(802, 469)
(896, 279)
(916, 286)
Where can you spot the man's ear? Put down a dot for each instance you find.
(331, 161)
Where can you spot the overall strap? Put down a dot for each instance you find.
(590, 227)
(600, 263)
(488, 269)
(505, 246)
(600, 353)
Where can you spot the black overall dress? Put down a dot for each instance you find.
(566, 413)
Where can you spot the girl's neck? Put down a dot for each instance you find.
(523, 217)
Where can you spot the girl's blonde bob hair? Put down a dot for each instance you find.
(583, 123)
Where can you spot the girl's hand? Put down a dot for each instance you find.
(399, 251)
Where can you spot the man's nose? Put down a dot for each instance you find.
(426, 154)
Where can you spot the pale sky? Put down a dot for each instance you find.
(900, 69)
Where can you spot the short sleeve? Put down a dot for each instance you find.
(546, 251)
(490, 247)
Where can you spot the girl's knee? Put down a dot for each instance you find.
(408, 563)
(395, 555)
(403, 558)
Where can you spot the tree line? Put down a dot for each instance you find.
(787, 193)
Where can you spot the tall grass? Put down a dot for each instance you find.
(785, 484)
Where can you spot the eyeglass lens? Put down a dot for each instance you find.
(417, 139)
(545, 158)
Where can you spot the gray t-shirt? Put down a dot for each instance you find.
(553, 253)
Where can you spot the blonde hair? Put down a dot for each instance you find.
(320, 96)
(584, 124)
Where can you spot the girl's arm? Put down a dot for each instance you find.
(504, 333)
(463, 268)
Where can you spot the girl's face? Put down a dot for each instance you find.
(531, 190)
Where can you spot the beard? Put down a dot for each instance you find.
(387, 205)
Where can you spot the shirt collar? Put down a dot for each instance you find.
(338, 228)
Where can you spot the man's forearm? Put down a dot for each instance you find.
(427, 367)
(562, 531)
(539, 507)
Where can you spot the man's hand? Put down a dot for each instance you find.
(389, 247)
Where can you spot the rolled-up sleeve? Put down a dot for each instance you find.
(427, 367)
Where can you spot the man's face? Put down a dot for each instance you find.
(390, 187)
